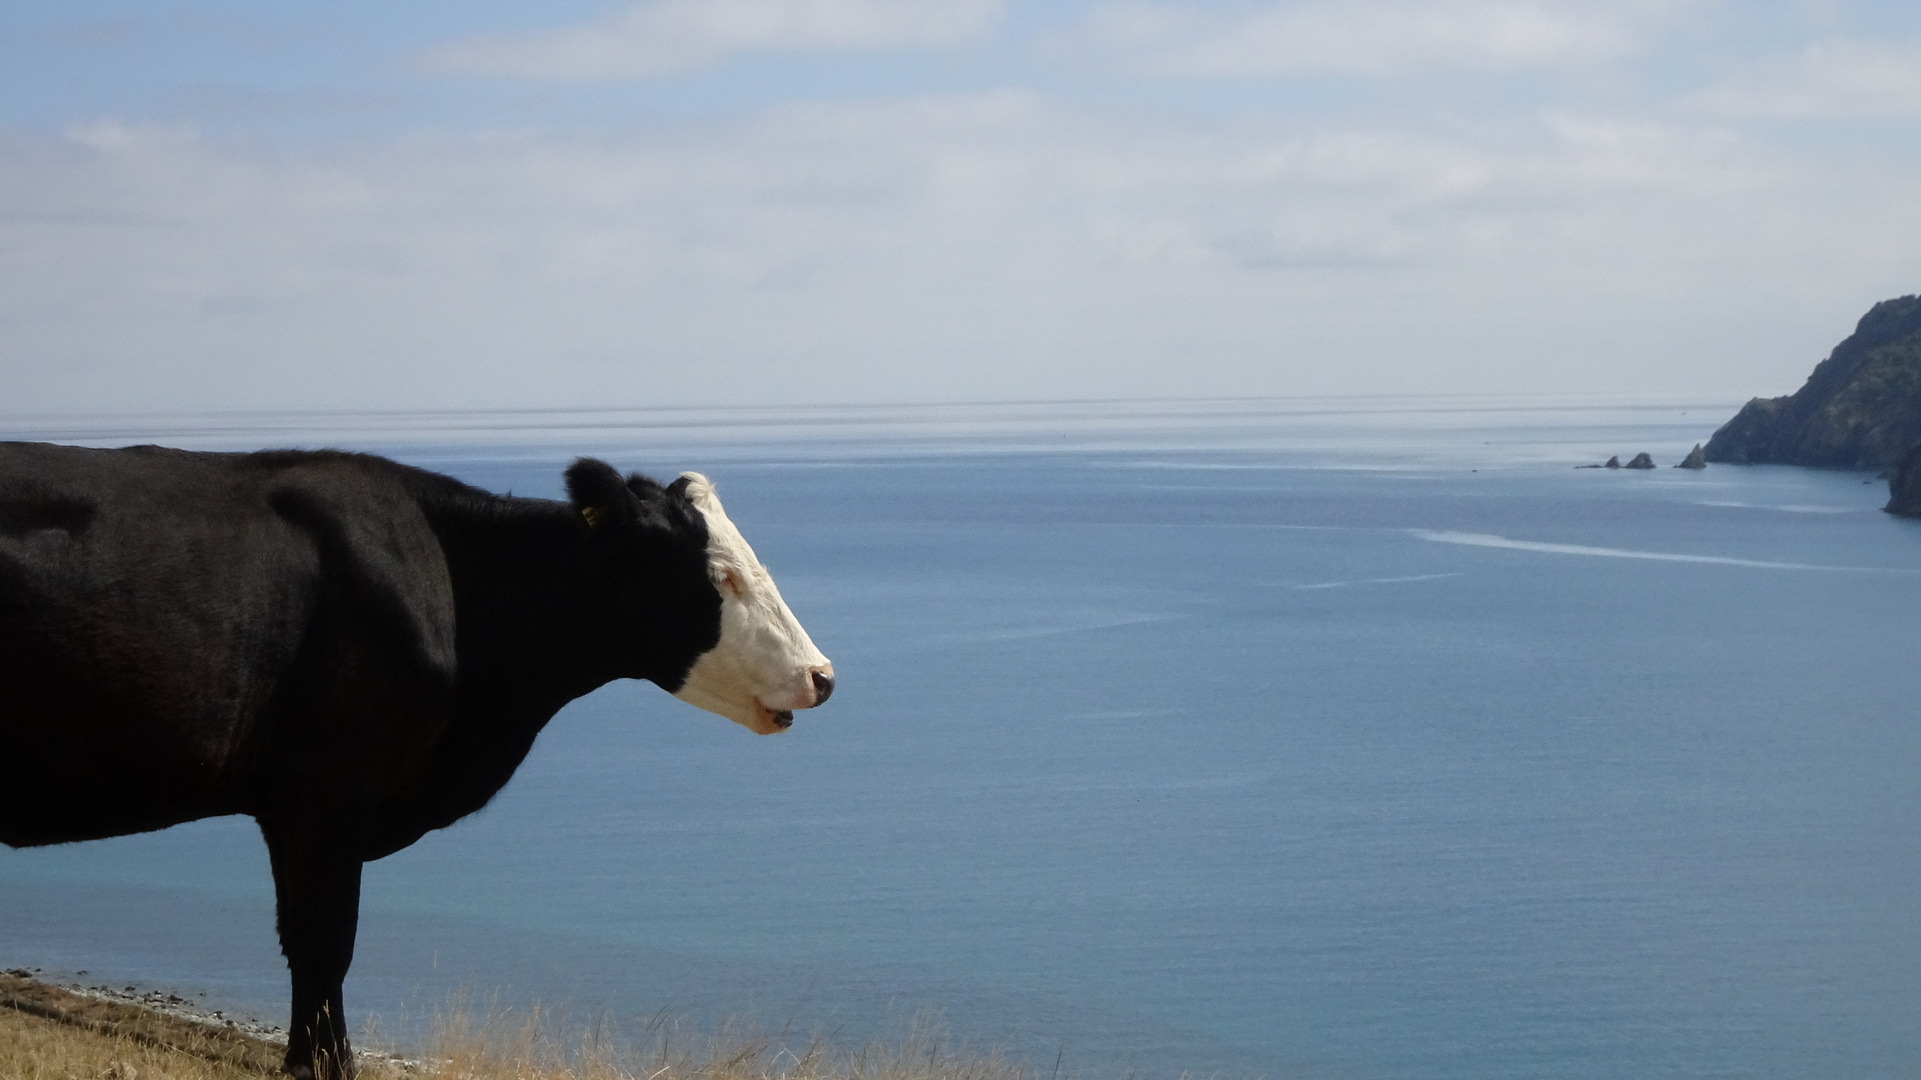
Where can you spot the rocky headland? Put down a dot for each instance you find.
(1860, 409)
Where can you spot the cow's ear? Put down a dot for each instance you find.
(599, 495)
(645, 488)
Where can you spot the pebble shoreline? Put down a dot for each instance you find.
(182, 1008)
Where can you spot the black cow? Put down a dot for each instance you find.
(350, 650)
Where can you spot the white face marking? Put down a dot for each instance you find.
(764, 665)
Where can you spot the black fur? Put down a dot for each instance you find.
(347, 649)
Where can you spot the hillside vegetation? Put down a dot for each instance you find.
(1860, 409)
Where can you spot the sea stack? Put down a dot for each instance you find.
(1696, 459)
(1641, 461)
(1613, 462)
(1904, 487)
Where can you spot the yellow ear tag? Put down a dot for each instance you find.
(589, 515)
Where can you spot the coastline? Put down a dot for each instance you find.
(88, 1023)
(73, 1031)
(101, 1022)
(24, 989)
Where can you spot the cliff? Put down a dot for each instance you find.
(1860, 409)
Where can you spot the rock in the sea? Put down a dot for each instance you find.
(1641, 461)
(1904, 489)
(1696, 459)
(1613, 463)
(1860, 409)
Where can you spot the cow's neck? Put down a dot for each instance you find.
(530, 630)
(524, 635)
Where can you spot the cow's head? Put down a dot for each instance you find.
(683, 555)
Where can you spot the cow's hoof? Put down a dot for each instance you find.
(327, 1070)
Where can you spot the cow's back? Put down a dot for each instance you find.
(175, 626)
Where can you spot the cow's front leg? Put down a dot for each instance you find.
(316, 876)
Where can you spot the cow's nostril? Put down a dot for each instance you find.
(823, 687)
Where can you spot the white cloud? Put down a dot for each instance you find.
(971, 247)
(1836, 79)
(666, 36)
(1371, 37)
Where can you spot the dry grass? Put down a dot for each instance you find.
(49, 1034)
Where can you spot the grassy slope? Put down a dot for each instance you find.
(47, 1033)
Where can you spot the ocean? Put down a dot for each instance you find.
(1357, 738)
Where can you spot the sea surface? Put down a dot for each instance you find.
(1290, 738)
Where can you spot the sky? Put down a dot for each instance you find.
(276, 205)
